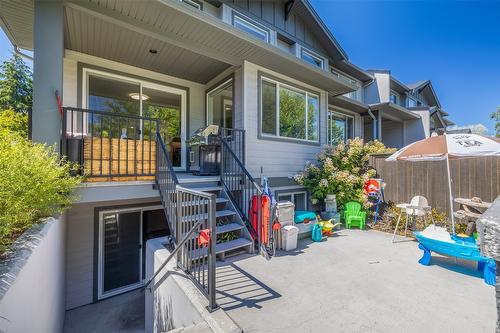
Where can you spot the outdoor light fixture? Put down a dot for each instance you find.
(137, 96)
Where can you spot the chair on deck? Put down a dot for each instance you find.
(354, 215)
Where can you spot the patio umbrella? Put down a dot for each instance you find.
(449, 146)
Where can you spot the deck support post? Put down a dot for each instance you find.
(47, 70)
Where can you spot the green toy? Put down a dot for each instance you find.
(354, 215)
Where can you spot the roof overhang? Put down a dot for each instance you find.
(353, 70)
(394, 112)
(348, 104)
(175, 23)
(16, 20)
(398, 86)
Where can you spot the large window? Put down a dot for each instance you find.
(288, 112)
(251, 27)
(299, 199)
(340, 127)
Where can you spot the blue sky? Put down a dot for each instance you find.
(456, 44)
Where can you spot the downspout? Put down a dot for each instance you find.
(374, 124)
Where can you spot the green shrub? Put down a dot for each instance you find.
(35, 184)
(341, 170)
(13, 123)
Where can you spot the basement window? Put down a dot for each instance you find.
(299, 199)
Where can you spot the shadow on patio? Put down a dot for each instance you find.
(236, 288)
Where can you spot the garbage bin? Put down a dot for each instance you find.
(289, 234)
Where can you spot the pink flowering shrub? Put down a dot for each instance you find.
(341, 170)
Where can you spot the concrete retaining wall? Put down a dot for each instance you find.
(32, 281)
(174, 302)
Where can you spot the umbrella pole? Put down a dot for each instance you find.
(451, 194)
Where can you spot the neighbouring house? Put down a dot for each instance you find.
(138, 78)
(402, 113)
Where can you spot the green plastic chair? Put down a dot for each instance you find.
(354, 215)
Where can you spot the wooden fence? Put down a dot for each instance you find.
(471, 177)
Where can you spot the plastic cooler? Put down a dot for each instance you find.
(289, 235)
(285, 211)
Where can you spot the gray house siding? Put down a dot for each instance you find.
(273, 13)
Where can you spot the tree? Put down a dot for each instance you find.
(16, 85)
(496, 118)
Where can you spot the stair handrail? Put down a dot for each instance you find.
(166, 186)
(256, 188)
(172, 254)
(175, 211)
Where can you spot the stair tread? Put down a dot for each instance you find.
(229, 227)
(232, 245)
(219, 213)
(223, 247)
(206, 188)
(217, 201)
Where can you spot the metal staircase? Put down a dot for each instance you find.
(232, 234)
(219, 205)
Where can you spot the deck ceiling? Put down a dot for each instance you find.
(190, 43)
(95, 36)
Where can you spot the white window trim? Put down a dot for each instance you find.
(292, 196)
(101, 294)
(229, 13)
(333, 111)
(193, 3)
(301, 49)
(210, 118)
(299, 90)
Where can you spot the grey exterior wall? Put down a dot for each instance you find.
(417, 129)
(81, 264)
(32, 282)
(272, 12)
(392, 134)
(379, 90)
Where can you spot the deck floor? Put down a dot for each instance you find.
(357, 281)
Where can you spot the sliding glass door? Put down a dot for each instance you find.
(120, 252)
(129, 96)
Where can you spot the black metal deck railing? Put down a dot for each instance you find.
(240, 187)
(235, 139)
(110, 145)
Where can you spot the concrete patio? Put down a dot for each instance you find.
(357, 281)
